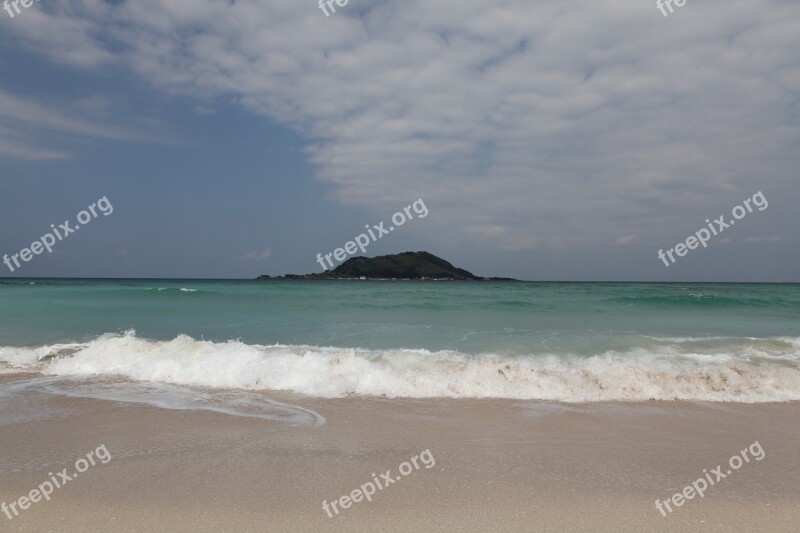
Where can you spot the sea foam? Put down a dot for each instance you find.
(719, 369)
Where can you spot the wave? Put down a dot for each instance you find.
(725, 369)
(164, 396)
(27, 358)
(702, 300)
(172, 289)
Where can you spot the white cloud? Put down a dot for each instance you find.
(526, 123)
(774, 238)
(24, 120)
(12, 144)
(263, 254)
(625, 239)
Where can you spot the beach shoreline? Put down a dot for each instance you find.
(500, 465)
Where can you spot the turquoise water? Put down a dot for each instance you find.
(571, 341)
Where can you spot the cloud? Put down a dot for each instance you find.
(25, 112)
(263, 254)
(762, 239)
(63, 26)
(24, 121)
(13, 144)
(527, 124)
(626, 239)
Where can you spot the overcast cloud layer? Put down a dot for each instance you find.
(525, 126)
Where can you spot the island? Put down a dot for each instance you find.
(421, 266)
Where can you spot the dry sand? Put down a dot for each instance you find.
(501, 465)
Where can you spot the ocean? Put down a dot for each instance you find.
(570, 342)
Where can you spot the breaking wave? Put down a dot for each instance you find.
(725, 369)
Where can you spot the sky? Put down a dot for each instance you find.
(548, 140)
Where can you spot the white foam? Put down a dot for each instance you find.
(749, 370)
(164, 396)
(28, 357)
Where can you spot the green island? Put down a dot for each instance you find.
(422, 266)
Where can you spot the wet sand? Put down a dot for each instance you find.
(500, 465)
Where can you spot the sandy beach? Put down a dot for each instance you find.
(500, 465)
(399, 266)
